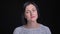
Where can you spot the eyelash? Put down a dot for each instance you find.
(27, 12)
(33, 10)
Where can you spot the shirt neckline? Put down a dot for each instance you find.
(32, 28)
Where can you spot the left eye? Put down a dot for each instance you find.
(33, 10)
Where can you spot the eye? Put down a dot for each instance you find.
(27, 12)
(33, 10)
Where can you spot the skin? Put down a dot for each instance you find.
(31, 15)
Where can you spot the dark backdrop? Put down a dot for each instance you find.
(11, 14)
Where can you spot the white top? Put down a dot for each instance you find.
(41, 30)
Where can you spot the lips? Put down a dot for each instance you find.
(32, 16)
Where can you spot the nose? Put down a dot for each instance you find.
(31, 13)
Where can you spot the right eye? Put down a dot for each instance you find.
(27, 12)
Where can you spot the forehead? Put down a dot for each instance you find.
(30, 6)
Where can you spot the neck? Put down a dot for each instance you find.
(32, 24)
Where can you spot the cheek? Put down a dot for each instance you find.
(27, 16)
(36, 14)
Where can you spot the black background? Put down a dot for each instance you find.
(11, 14)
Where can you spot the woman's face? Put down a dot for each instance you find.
(31, 13)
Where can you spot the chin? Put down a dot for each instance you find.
(33, 19)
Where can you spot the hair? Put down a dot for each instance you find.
(24, 21)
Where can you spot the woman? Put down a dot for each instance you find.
(31, 15)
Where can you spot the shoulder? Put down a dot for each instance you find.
(46, 28)
(17, 30)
